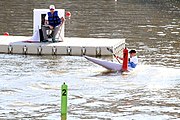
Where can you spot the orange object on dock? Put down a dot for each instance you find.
(6, 34)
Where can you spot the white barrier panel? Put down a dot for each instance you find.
(38, 16)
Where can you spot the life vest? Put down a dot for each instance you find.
(54, 19)
(133, 62)
(132, 65)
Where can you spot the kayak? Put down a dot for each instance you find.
(106, 64)
(115, 66)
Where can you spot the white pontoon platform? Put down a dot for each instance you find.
(69, 46)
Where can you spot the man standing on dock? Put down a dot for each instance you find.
(52, 22)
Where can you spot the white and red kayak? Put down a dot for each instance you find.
(115, 66)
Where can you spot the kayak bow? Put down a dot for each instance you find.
(106, 64)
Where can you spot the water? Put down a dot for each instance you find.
(30, 85)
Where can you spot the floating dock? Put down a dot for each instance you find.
(69, 46)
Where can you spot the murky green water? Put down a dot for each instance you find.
(30, 85)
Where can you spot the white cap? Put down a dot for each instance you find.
(52, 7)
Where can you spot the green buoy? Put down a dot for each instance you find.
(64, 89)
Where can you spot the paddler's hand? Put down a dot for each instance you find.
(117, 57)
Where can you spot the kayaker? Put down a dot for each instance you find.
(52, 22)
(133, 60)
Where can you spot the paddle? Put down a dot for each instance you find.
(110, 50)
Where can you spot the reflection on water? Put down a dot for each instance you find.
(30, 86)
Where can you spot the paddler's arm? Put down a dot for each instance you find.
(119, 57)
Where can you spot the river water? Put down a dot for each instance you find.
(30, 85)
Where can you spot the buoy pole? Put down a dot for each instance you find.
(64, 89)
(125, 60)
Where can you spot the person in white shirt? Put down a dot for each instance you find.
(133, 60)
(53, 21)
